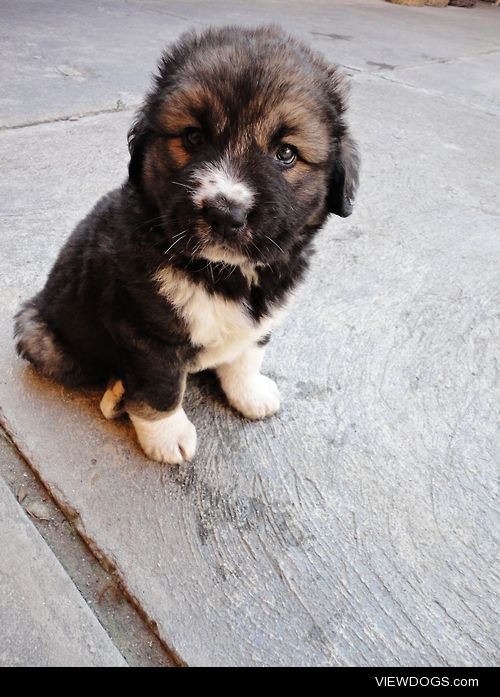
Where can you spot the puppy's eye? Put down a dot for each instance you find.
(286, 154)
(192, 137)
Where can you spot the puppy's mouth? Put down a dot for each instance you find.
(226, 248)
(196, 237)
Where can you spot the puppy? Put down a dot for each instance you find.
(238, 155)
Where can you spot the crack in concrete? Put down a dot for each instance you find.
(375, 73)
(71, 118)
(424, 90)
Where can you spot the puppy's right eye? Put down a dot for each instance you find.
(192, 137)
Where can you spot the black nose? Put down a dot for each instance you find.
(226, 221)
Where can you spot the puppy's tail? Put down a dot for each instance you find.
(37, 343)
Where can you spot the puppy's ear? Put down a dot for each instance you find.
(345, 159)
(343, 178)
(137, 139)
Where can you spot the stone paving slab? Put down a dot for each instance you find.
(97, 585)
(469, 80)
(61, 58)
(44, 619)
(359, 526)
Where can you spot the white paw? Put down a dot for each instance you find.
(110, 402)
(171, 440)
(255, 397)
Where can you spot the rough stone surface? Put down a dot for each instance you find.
(42, 627)
(359, 526)
(61, 59)
(98, 587)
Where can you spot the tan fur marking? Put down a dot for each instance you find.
(180, 109)
(311, 141)
(178, 152)
(295, 174)
(153, 165)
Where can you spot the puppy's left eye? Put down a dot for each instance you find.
(286, 154)
(192, 137)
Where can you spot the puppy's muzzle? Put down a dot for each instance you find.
(226, 219)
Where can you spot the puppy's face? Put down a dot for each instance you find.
(242, 146)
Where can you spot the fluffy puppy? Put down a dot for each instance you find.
(238, 155)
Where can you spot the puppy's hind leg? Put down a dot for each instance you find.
(113, 403)
(37, 343)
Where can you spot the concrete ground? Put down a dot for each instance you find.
(360, 525)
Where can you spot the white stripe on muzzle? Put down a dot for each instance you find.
(217, 180)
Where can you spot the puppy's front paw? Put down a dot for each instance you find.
(256, 397)
(171, 440)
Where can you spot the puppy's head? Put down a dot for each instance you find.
(242, 145)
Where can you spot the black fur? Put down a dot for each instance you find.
(100, 315)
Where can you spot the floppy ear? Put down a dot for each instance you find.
(343, 177)
(345, 158)
(137, 138)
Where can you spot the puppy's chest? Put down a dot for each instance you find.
(220, 327)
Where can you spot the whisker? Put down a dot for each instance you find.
(275, 243)
(172, 245)
(178, 234)
(189, 188)
(259, 251)
(161, 217)
(233, 269)
(199, 245)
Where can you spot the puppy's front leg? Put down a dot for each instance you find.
(254, 395)
(168, 438)
(154, 405)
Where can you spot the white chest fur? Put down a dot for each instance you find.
(222, 328)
